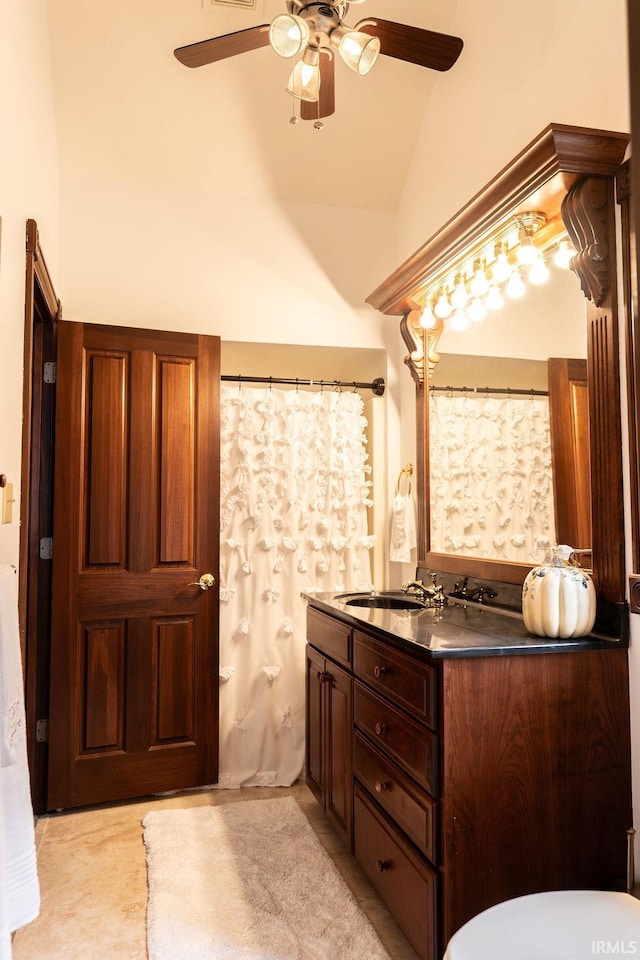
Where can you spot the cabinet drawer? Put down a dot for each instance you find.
(411, 808)
(413, 746)
(406, 884)
(329, 635)
(406, 681)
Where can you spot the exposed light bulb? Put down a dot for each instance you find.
(515, 287)
(502, 268)
(476, 311)
(564, 255)
(459, 320)
(527, 253)
(539, 272)
(479, 283)
(427, 318)
(494, 299)
(459, 295)
(442, 308)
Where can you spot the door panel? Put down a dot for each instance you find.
(134, 679)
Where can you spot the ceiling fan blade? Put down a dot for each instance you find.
(438, 51)
(326, 105)
(219, 48)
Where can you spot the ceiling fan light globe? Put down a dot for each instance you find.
(304, 81)
(288, 35)
(359, 51)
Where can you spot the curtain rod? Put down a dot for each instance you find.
(377, 385)
(522, 391)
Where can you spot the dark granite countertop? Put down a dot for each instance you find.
(460, 629)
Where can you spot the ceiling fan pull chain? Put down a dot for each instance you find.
(293, 119)
(318, 124)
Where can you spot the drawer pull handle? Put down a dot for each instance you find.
(381, 729)
(379, 671)
(322, 677)
(382, 785)
(382, 865)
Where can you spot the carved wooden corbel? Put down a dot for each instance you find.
(586, 213)
(422, 344)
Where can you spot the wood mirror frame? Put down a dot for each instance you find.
(571, 171)
(629, 199)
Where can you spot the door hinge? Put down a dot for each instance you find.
(42, 731)
(46, 548)
(50, 370)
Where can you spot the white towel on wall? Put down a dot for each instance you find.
(19, 887)
(403, 528)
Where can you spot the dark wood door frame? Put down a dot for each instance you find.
(42, 313)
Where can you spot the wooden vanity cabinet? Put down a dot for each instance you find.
(329, 724)
(471, 779)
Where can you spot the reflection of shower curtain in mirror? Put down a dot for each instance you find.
(293, 517)
(491, 489)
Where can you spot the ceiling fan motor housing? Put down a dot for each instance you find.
(322, 17)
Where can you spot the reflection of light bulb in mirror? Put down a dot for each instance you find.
(515, 287)
(427, 318)
(459, 321)
(494, 299)
(442, 308)
(479, 283)
(476, 310)
(459, 294)
(564, 255)
(539, 272)
(501, 269)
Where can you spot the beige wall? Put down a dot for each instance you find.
(524, 65)
(28, 188)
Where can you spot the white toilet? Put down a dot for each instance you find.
(561, 925)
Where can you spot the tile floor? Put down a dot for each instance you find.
(94, 886)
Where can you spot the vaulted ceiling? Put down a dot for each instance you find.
(124, 101)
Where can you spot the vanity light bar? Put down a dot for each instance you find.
(467, 289)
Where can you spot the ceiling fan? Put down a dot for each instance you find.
(310, 33)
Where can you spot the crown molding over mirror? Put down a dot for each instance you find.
(569, 174)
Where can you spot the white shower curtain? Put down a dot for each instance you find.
(295, 490)
(490, 476)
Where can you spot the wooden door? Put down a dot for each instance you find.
(570, 455)
(134, 657)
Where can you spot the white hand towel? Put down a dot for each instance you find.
(403, 528)
(19, 888)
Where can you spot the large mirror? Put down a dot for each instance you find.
(509, 458)
(567, 174)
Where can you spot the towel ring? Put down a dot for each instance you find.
(407, 472)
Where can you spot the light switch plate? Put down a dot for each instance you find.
(7, 503)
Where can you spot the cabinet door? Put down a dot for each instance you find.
(339, 760)
(314, 722)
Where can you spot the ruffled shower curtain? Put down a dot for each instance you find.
(490, 476)
(295, 490)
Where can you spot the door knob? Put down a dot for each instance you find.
(206, 581)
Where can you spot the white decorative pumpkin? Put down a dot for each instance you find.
(558, 598)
